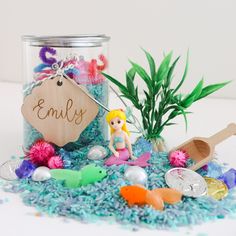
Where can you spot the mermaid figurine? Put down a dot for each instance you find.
(120, 144)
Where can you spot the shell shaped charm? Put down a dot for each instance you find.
(97, 153)
(42, 173)
(136, 175)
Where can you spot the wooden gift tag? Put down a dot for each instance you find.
(59, 109)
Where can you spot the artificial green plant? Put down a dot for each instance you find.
(162, 102)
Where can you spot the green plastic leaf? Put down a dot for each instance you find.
(151, 63)
(131, 73)
(156, 114)
(198, 89)
(146, 110)
(184, 75)
(136, 91)
(116, 82)
(130, 84)
(173, 114)
(163, 68)
(178, 97)
(169, 108)
(193, 95)
(148, 98)
(143, 74)
(171, 123)
(211, 89)
(170, 73)
(169, 96)
(145, 123)
(157, 88)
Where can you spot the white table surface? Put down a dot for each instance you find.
(210, 115)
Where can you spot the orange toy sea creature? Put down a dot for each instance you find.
(139, 195)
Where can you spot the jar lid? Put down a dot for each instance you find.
(81, 40)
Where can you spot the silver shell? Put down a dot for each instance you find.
(136, 175)
(97, 153)
(42, 173)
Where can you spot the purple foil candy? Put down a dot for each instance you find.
(25, 170)
(205, 167)
(43, 55)
(229, 178)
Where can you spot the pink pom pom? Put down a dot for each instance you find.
(40, 152)
(178, 158)
(55, 162)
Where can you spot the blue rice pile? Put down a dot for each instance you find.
(102, 200)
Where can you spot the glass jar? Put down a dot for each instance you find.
(84, 57)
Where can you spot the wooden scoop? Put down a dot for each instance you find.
(201, 150)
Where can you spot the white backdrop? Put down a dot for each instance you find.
(206, 27)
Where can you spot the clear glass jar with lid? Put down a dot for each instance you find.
(84, 57)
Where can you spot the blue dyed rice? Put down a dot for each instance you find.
(102, 200)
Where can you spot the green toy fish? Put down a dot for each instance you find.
(74, 179)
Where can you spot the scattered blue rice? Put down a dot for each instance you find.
(102, 200)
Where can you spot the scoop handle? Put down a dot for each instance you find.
(223, 134)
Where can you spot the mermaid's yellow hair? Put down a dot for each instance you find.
(117, 113)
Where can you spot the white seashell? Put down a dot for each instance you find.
(7, 169)
(42, 173)
(136, 175)
(97, 153)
